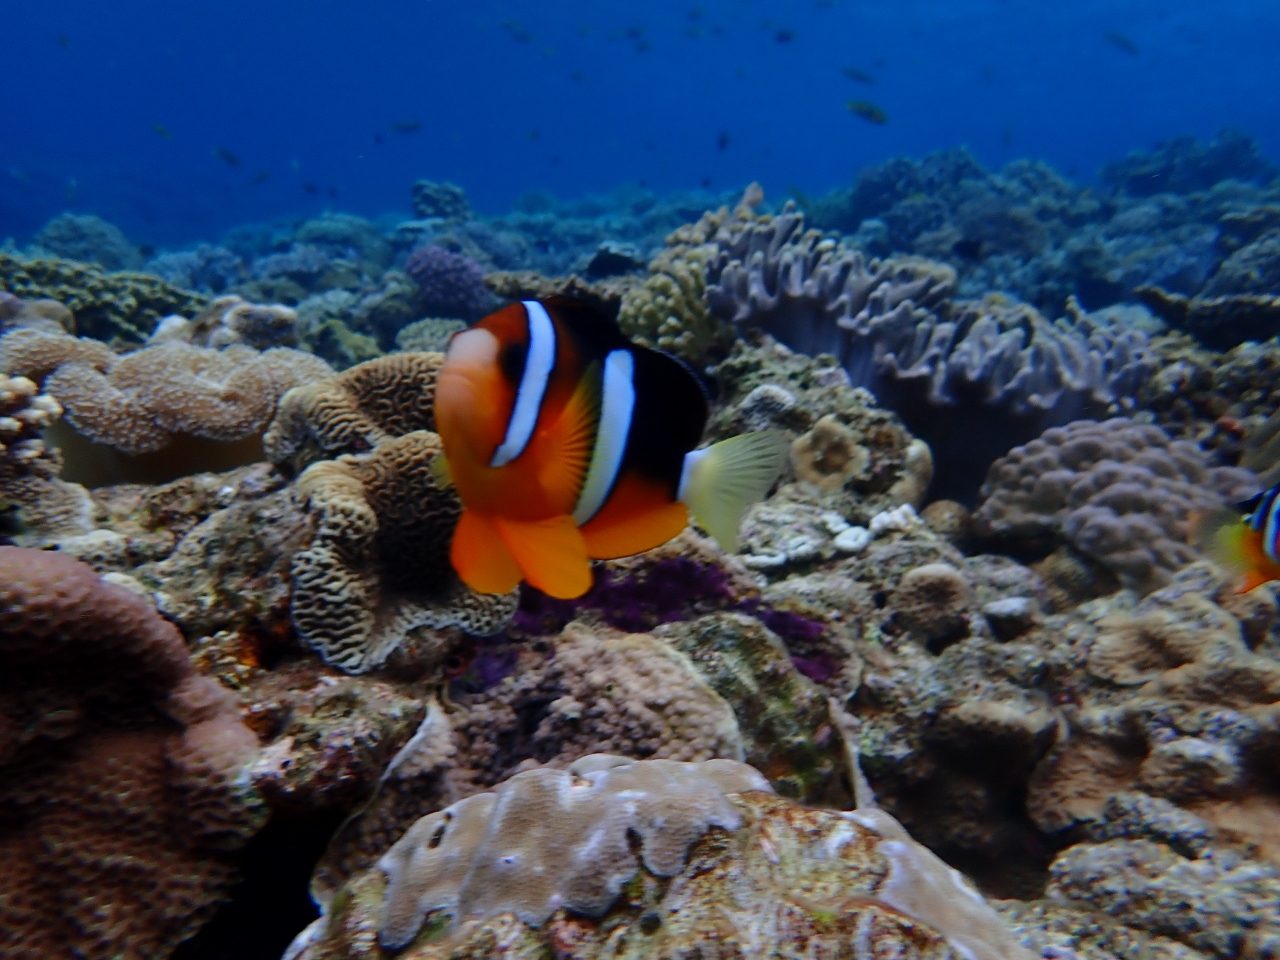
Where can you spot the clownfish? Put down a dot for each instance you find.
(568, 443)
(1246, 540)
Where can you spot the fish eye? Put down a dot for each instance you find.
(512, 360)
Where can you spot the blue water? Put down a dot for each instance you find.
(178, 120)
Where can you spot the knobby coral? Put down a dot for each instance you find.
(121, 770)
(1119, 492)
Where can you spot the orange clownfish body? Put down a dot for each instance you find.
(568, 443)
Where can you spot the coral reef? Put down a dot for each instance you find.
(725, 867)
(114, 307)
(449, 284)
(31, 495)
(1220, 322)
(88, 239)
(123, 782)
(448, 201)
(1119, 492)
(232, 320)
(169, 397)
(378, 566)
(354, 411)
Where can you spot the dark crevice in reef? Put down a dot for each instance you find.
(270, 905)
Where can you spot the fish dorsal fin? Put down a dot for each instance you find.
(550, 553)
(720, 482)
(571, 439)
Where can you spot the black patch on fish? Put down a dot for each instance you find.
(511, 360)
(670, 415)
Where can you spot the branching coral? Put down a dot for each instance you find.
(29, 483)
(121, 770)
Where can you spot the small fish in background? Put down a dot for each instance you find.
(868, 111)
(259, 178)
(311, 188)
(1122, 42)
(722, 141)
(1246, 540)
(226, 156)
(64, 41)
(857, 76)
(161, 131)
(784, 35)
(517, 31)
(406, 126)
(567, 443)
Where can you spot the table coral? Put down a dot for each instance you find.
(725, 868)
(1119, 492)
(122, 770)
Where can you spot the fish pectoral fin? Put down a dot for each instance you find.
(572, 439)
(550, 553)
(481, 557)
(727, 477)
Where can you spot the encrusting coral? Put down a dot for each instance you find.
(113, 307)
(648, 858)
(1119, 492)
(122, 770)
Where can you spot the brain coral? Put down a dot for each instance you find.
(1120, 492)
(143, 401)
(121, 770)
(689, 860)
(355, 410)
(378, 565)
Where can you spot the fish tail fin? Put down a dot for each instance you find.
(481, 557)
(720, 482)
(1229, 542)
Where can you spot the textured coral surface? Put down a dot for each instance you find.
(122, 770)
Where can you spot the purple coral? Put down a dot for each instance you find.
(449, 284)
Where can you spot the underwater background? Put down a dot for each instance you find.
(986, 666)
(177, 123)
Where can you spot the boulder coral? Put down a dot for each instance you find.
(1119, 492)
(122, 770)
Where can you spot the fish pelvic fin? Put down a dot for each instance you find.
(721, 481)
(550, 553)
(481, 557)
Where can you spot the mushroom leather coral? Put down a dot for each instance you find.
(121, 771)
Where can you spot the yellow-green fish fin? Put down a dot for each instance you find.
(721, 481)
